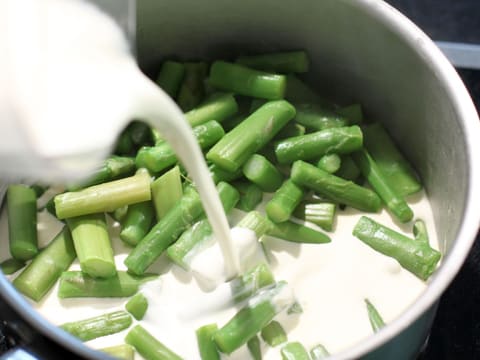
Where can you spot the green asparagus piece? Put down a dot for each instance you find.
(319, 352)
(166, 191)
(293, 232)
(44, 270)
(251, 196)
(257, 223)
(259, 311)
(191, 90)
(335, 188)
(123, 351)
(348, 169)
(284, 201)
(99, 326)
(161, 156)
(254, 348)
(148, 346)
(120, 213)
(381, 185)
(273, 334)
(170, 77)
(316, 117)
(375, 319)
(390, 160)
(330, 163)
(417, 257)
(294, 351)
(137, 223)
(22, 221)
(282, 62)
(76, 284)
(218, 107)
(321, 214)
(206, 345)
(137, 306)
(251, 281)
(236, 147)
(218, 174)
(420, 232)
(92, 245)
(353, 113)
(196, 237)
(245, 81)
(263, 173)
(292, 129)
(105, 197)
(11, 266)
(165, 232)
(341, 140)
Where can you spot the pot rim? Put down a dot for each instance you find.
(470, 123)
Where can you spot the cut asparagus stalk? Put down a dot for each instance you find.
(273, 334)
(170, 77)
(120, 213)
(92, 245)
(420, 232)
(417, 257)
(166, 191)
(335, 188)
(340, 140)
(283, 62)
(22, 222)
(263, 173)
(148, 346)
(254, 348)
(321, 214)
(45, 269)
(218, 107)
(319, 352)
(191, 90)
(74, 284)
(251, 196)
(218, 174)
(137, 306)
(206, 345)
(294, 232)
(382, 186)
(259, 311)
(330, 163)
(238, 145)
(284, 201)
(106, 197)
(257, 223)
(374, 316)
(316, 117)
(99, 326)
(245, 81)
(250, 282)
(11, 266)
(294, 351)
(137, 223)
(123, 351)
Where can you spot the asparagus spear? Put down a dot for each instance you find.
(257, 223)
(99, 326)
(123, 351)
(120, 213)
(319, 352)
(263, 173)
(340, 140)
(137, 223)
(273, 334)
(381, 185)
(415, 256)
(206, 345)
(236, 147)
(251, 196)
(11, 266)
(259, 311)
(389, 159)
(22, 221)
(317, 117)
(74, 284)
(170, 77)
(218, 174)
(44, 270)
(166, 191)
(294, 351)
(191, 90)
(330, 163)
(105, 197)
(218, 106)
(254, 348)
(321, 214)
(335, 188)
(245, 81)
(137, 306)
(92, 245)
(250, 282)
(161, 156)
(373, 315)
(148, 346)
(284, 201)
(283, 62)
(165, 232)
(294, 232)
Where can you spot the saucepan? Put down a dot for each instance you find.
(360, 50)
